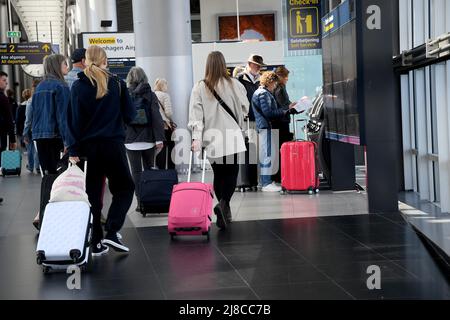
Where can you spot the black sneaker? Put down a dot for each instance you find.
(221, 221)
(99, 250)
(113, 241)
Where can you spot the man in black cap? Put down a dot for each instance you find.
(79, 64)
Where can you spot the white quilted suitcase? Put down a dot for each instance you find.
(65, 236)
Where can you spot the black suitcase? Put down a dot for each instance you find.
(156, 191)
(248, 167)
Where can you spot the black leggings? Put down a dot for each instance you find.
(49, 151)
(225, 178)
(108, 159)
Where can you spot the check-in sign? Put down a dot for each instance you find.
(24, 53)
(304, 24)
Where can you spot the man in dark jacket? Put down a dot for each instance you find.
(6, 118)
(250, 79)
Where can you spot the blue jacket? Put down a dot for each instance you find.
(72, 76)
(265, 109)
(48, 112)
(92, 119)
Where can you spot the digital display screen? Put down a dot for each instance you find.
(340, 75)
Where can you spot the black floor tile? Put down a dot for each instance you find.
(255, 254)
(397, 218)
(238, 293)
(352, 220)
(302, 291)
(405, 252)
(426, 269)
(398, 289)
(242, 232)
(54, 287)
(193, 258)
(270, 274)
(331, 256)
(386, 228)
(173, 282)
(358, 270)
(381, 240)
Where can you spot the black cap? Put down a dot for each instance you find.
(78, 55)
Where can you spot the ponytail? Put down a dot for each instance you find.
(96, 56)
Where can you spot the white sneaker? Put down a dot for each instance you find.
(271, 188)
(276, 184)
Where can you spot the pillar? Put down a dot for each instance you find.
(90, 13)
(164, 48)
(4, 28)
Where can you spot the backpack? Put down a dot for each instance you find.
(141, 105)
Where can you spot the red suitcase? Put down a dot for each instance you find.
(299, 167)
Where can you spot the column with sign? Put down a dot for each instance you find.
(304, 27)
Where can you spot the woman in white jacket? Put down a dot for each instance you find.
(216, 115)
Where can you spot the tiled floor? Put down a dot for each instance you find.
(293, 247)
(428, 219)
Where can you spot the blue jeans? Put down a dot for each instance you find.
(33, 160)
(265, 156)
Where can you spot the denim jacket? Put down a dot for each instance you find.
(47, 114)
(72, 76)
(266, 109)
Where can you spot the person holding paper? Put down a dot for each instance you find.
(266, 110)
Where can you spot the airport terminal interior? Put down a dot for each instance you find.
(375, 79)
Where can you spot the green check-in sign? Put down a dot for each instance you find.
(304, 24)
(14, 34)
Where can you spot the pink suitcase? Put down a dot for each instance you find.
(191, 207)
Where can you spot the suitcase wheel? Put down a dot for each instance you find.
(75, 255)
(317, 191)
(40, 258)
(311, 191)
(46, 270)
(207, 234)
(284, 192)
(144, 215)
(242, 190)
(172, 236)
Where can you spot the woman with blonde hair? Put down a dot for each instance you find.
(165, 108)
(100, 106)
(266, 111)
(218, 107)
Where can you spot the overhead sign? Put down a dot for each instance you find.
(119, 48)
(14, 34)
(304, 24)
(116, 45)
(24, 53)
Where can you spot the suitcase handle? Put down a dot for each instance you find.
(191, 158)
